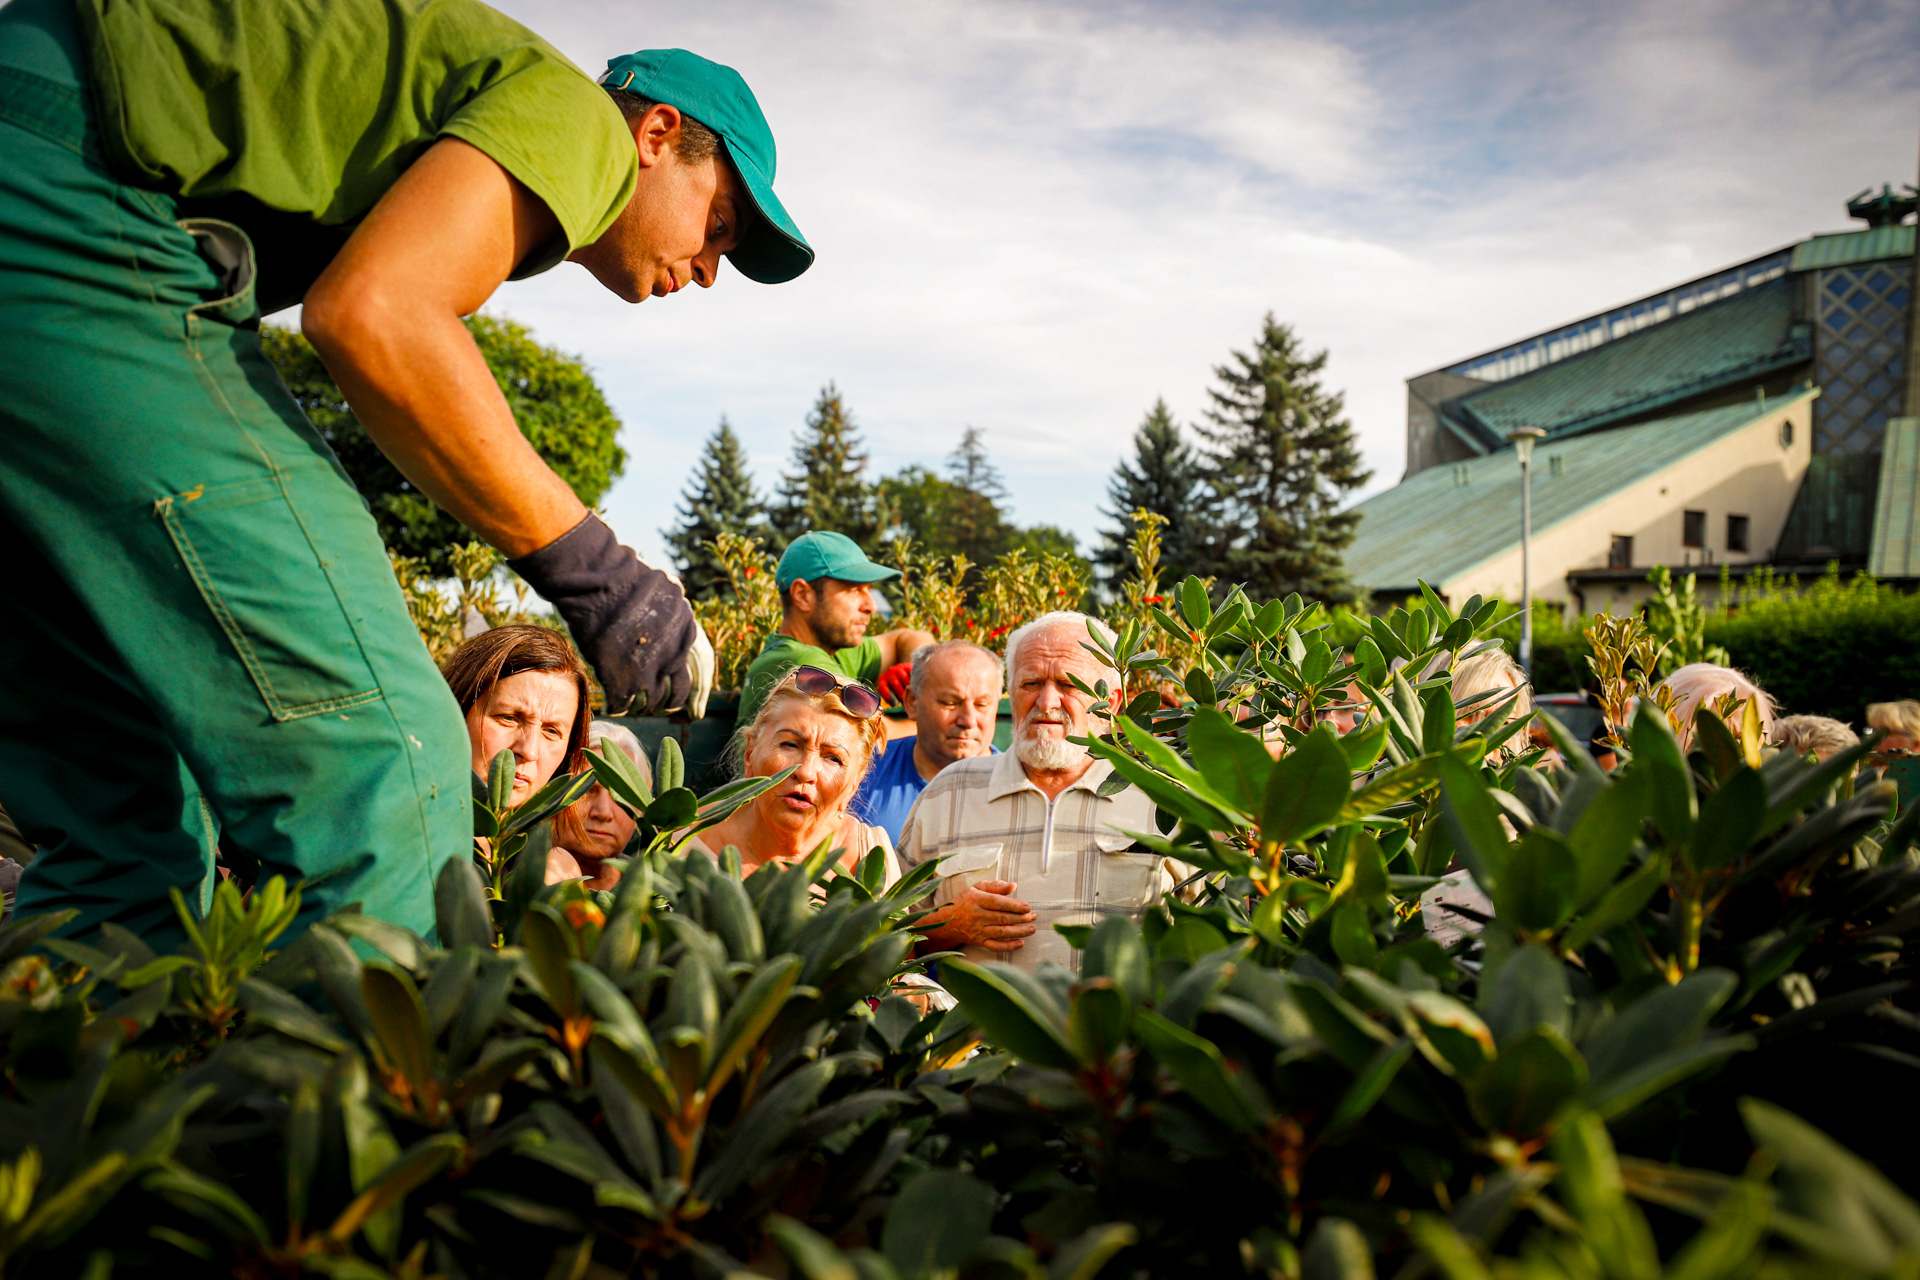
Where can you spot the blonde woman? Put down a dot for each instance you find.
(1707, 683)
(1900, 719)
(826, 727)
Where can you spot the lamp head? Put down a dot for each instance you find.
(1523, 440)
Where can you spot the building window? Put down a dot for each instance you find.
(1786, 433)
(1620, 554)
(1736, 533)
(1693, 529)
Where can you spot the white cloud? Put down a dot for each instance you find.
(1035, 219)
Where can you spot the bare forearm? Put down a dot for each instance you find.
(419, 385)
(898, 646)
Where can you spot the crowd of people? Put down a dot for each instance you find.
(1024, 839)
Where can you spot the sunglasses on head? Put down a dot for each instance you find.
(860, 702)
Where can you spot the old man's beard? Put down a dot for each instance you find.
(1042, 751)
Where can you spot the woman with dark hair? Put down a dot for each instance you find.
(524, 689)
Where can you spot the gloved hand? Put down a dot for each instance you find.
(894, 683)
(631, 621)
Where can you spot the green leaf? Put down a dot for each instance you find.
(1829, 1201)
(752, 1012)
(1371, 662)
(1115, 950)
(1010, 1011)
(1472, 820)
(1198, 1065)
(813, 1256)
(399, 1021)
(1337, 1250)
(1730, 822)
(1590, 1178)
(1528, 991)
(460, 905)
(673, 809)
(1351, 933)
(1306, 790)
(1162, 790)
(1657, 752)
(1530, 1083)
(1082, 1257)
(622, 778)
(938, 1220)
(1395, 786)
(1161, 757)
(549, 947)
(1098, 1019)
(1369, 1085)
(669, 765)
(417, 1164)
(1667, 1018)
(1619, 904)
(547, 801)
(1363, 745)
(1194, 606)
(500, 782)
(1235, 763)
(1604, 835)
(1538, 887)
(1439, 720)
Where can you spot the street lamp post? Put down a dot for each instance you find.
(1523, 442)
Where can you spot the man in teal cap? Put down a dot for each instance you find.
(826, 597)
(205, 647)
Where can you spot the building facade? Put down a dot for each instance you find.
(1763, 414)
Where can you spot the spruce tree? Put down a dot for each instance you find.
(719, 499)
(828, 489)
(1166, 478)
(1283, 458)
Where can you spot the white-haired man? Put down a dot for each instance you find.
(1024, 840)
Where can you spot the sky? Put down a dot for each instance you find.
(1037, 218)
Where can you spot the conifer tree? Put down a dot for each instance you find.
(1282, 460)
(977, 528)
(1166, 478)
(719, 499)
(828, 489)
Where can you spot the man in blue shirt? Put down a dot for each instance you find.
(952, 698)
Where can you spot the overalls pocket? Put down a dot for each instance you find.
(229, 252)
(248, 553)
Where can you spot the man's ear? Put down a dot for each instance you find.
(801, 596)
(656, 133)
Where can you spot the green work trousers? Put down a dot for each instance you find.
(201, 642)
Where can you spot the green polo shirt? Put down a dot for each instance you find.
(293, 117)
(783, 653)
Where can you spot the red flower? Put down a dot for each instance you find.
(751, 571)
(1154, 600)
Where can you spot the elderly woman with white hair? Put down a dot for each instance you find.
(603, 827)
(1707, 684)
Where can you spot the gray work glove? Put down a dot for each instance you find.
(631, 621)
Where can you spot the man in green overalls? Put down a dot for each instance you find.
(203, 644)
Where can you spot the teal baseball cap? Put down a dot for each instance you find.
(773, 250)
(828, 555)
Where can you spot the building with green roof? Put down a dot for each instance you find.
(1763, 414)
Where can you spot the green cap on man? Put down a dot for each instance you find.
(773, 251)
(828, 555)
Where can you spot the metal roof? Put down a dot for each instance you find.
(1896, 520)
(1845, 247)
(1563, 342)
(1749, 334)
(1448, 519)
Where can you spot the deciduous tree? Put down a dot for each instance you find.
(554, 398)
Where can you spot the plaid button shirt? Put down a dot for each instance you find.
(1067, 859)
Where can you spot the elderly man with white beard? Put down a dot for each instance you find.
(1024, 840)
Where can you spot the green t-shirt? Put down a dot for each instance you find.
(293, 117)
(783, 653)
